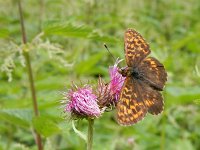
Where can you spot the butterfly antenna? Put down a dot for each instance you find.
(109, 52)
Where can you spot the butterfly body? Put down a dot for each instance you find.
(145, 78)
(131, 72)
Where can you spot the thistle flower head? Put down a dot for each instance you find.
(117, 79)
(105, 98)
(82, 103)
(108, 94)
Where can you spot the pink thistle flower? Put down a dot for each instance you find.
(116, 81)
(108, 94)
(82, 103)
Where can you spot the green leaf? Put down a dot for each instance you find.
(66, 29)
(45, 126)
(18, 117)
(183, 95)
(79, 31)
(79, 133)
(180, 91)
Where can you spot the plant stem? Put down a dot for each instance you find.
(163, 134)
(163, 124)
(30, 75)
(90, 133)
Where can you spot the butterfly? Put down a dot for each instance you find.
(145, 79)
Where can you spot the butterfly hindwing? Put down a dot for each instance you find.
(153, 72)
(130, 108)
(136, 48)
(152, 98)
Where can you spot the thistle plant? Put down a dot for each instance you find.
(90, 101)
(82, 103)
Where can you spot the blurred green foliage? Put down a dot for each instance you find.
(65, 41)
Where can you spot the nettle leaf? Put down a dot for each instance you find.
(66, 29)
(79, 31)
(45, 126)
(18, 117)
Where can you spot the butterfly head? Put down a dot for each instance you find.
(125, 71)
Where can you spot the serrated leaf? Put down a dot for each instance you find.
(79, 31)
(18, 117)
(45, 126)
(66, 29)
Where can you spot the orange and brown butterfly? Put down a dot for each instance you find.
(145, 79)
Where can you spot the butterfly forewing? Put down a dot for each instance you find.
(130, 108)
(153, 72)
(136, 48)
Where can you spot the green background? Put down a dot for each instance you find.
(65, 43)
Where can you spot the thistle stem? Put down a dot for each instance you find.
(38, 139)
(90, 134)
